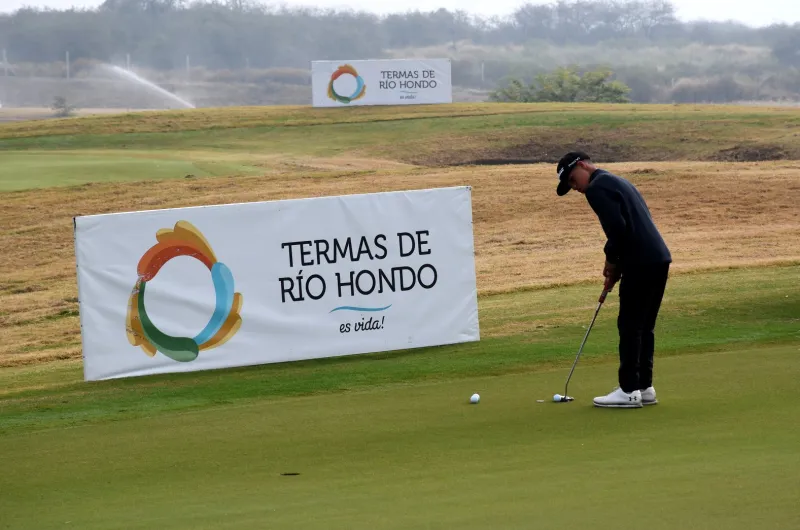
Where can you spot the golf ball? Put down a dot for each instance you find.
(557, 397)
(475, 398)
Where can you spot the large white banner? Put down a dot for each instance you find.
(381, 82)
(198, 288)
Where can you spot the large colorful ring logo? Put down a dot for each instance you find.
(183, 240)
(358, 93)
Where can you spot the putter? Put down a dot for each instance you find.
(566, 398)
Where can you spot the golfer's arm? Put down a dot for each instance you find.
(609, 211)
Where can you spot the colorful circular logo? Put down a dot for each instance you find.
(357, 93)
(183, 240)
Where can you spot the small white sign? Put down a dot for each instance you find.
(381, 82)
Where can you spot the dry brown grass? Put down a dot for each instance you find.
(114, 121)
(711, 214)
(16, 114)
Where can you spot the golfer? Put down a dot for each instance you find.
(637, 256)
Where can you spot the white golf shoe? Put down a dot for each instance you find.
(649, 396)
(620, 399)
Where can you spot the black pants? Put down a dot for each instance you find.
(640, 292)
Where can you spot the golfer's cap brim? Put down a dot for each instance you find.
(567, 164)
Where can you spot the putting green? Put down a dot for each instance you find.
(719, 451)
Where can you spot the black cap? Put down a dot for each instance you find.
(565, 167)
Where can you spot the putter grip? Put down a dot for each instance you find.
(603, 296)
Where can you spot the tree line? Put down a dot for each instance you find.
(230, 34)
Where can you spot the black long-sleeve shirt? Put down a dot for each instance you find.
(633, 239)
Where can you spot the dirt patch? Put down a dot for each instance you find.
(751, 153)
(550, 150)
(496, 162)
(546, 147)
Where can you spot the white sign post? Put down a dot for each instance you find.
(381, 82)
(190, 289)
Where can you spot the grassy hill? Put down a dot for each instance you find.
(252, 141)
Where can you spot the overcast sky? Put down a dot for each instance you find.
(759, 13)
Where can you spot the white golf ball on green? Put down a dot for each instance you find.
(475, 398)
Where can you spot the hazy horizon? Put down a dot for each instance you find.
(761, 13)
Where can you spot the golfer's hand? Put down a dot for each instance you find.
(611, 273)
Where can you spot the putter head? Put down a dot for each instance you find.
(566, 399)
